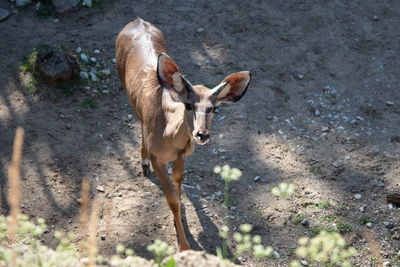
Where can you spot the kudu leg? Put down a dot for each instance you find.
(173, 199)
(177, 174)
(145, 156)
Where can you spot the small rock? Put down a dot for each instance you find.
(375, 17)
(93, 59)
(369, 224)
(386, 264)
(103, 237)
(300, 76)
(94, 77)
(388, 225)
(87, 3)
(304, 263)
(362, 208)
(114, 60)
(276, 255)
(337, 164)
(359, 118)
(233, 208)
(84, 75)
(357, 196)
(105, 72)
(68, 126)
(354, 122)
(256, 179)
(53, 64)
(4, 14)
(200, 30)
(21, 3)
(55, 20)
(317, 113)
(100, 188)
(389, 103)
(78, 50)
(96, 51)
(84, 57)
(325, 129)
(129, 117)
(305, 222)
(65, 6)
(390, 206)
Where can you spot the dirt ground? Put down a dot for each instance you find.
(322, 112)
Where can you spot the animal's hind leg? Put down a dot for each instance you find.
(145, 156)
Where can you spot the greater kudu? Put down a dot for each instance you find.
(173, 113)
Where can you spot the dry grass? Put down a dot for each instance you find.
(14, 183)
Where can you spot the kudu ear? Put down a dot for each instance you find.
(232, 88)
(168, 73)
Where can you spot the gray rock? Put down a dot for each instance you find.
(317, 113)
(256, 179)
(54, 64)
(4, 14)
(21, 3)
(389, 103)
(369, 225)
(65, 6)
(84, 75)
(304, 263)
(100, 188)
(276, 255)
(357, 196)
(305, 222)
(388, 225)
(84, 57)
(87, 3)
(386, 264)
(325, 129)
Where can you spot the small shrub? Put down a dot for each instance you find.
(283, 190)
(343, 227)
(365, 219)
(161, 250)
(325, 249)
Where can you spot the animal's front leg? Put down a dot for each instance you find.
(173, 199)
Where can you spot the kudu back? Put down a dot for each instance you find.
(173, 113)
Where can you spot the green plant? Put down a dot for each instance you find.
(318, 229)
(343, 227)
(44, 9)
(89, 102)
(315, 170)
(326, 204)
(325, 249)
(365, 219)
(299, 219)
(283, 190)
(246, 243)
(161, 250)
(328, 218)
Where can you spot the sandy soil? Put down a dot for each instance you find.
(322, 112)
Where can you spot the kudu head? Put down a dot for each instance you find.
(200, 101)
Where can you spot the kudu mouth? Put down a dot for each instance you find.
(201, 138)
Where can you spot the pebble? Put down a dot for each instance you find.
(94, 77)
(113, 60)
(300, 76)
(129, 117)
(100, 188)
(57, 20)
(4, 14)
(386, 264)
(357, 196)
(325, 129)
(96, 51)
(200, 30)
(93, 59)
(388, 225)
(375, 17)
(337, 164)
(304, 263)
(233, 208)
(68, 126)
(84, 75)
(103, 237)
(256, 179)
(317, 112)
(369, 224)
(78, 49)
(105, 71)
(84, 57)
(21, 3)
(362, 208)
(359, 118)
(389, 103)
(305, 222)
(276, 255)
(390, 206)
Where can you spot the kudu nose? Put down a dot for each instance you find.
(203, 136)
